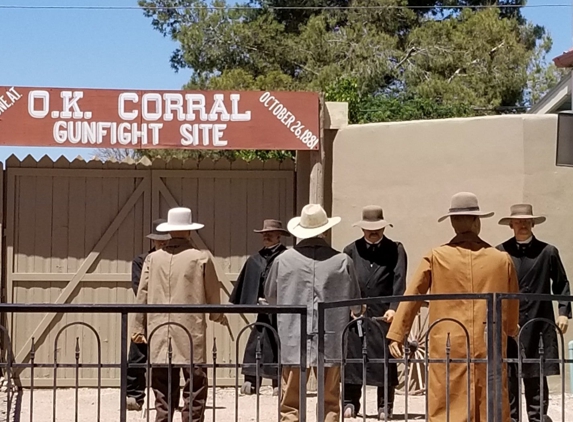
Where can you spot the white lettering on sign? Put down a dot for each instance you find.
(201, 133)
(123, 97)
(289, 120)
(70, 100)
(8, 99)
(186, 107)
(44, 98)
(96, 133)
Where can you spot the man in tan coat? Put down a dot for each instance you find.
(466, 264)
(177, 274)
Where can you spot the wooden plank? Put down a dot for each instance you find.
(73, 171)
(224, 174)
(255, 212)
(88, 262)
(42, 224)
(239, 229)
(60, 219)
(52, 277)
(10, 239)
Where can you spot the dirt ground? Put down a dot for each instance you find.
(224, 412)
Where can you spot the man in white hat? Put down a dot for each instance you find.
(380, 265)
(466, 264)
(539, 271)
(249, 290)
(138, 352)
(309, 273)
(177, 274)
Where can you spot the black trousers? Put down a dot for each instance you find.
(353, 393)
(136, 376)
(532, 390)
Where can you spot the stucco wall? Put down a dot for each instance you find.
(412, 169)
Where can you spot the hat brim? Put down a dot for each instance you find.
(372, 225)
(537, 219)
(166, 227)
(469, 213)
(283, 232)
(300, 232)
(154, 236)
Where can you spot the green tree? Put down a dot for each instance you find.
(390, 59)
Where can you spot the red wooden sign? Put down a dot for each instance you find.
(103, 118)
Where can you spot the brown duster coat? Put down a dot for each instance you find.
(465, 265)
(177, 274)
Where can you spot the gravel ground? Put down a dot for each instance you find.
(225, 411)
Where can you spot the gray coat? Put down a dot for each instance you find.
(310, 273)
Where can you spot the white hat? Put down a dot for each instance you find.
(522, 212)
(312, 222)
(465, 203)
(179, 219)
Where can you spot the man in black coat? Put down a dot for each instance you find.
(539, 271)
(380, 265)
(249, 290)
(138, 352)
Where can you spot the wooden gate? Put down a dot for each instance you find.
(73, 229)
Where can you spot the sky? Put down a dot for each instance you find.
(120, 49)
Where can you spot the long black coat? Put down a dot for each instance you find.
(381, 271)
(247, 291)
(540, 271)
(136, 267)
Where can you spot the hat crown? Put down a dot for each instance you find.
(464, 201)
(313, 216)
(521, 209)
(272, 224)
(372, 213)
(157, 223)
(179, 216)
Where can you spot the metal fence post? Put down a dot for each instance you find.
(320, 369)
(491, 378)
(303, 352)
(123, 369)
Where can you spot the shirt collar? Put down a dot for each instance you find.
(368, 243)
(524, 242)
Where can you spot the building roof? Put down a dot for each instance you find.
(557, 99)
(564, 60)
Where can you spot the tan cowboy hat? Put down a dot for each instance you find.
(179, 219)
(312, 222)
(522, 212)
(156, 235)
(372, 218)
(273, 226)
(465, 203)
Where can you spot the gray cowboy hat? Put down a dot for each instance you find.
(372, 218)
(465, 203)
(155, 235)
(522, 212)
(273, 226)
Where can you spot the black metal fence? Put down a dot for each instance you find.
(10, 368)
(491, 360)
(493, 357)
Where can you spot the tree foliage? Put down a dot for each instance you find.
(390, 59)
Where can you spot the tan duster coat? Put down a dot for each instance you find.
(176, 275)
(465, 265)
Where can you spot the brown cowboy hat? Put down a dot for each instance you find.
(372, 219)
(273, 226)
(522, 212)
(465, 203)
